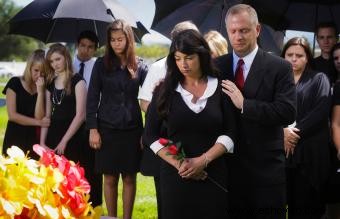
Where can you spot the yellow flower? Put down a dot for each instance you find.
(36, 190)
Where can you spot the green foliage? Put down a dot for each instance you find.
(3, 81)
(3, 124)
(145, 202)
(152, 51)
(13, 47)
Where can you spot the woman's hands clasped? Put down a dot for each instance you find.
(193, 168)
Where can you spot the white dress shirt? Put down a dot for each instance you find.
(156, 73)
(87, 68)
(248, 60)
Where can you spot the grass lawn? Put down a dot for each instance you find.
(145, 203)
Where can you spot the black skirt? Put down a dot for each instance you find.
(120, 151)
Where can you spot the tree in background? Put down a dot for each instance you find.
(13, 47)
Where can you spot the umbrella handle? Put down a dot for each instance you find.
(108, 11)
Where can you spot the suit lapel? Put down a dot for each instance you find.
(225, 65)
(255, 76)
(229, 68)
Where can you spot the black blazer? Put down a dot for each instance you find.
(269, 105)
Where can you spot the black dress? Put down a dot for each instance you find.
(61, 118)
(308, 168)
(333, 187)
(113, 109)
(197, 132)
(20, 135)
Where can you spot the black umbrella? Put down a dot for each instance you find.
(300, 15)
(207, 15)
(63, 20)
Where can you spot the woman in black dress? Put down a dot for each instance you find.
(333, 188)
(25, 100)
(306, 141)
(65, 103)
(192, 107)
(114, 116)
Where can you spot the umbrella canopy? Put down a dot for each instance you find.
(301, 15)
(63, 20)
(206, 15)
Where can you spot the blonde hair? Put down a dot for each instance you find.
(184, 25)
(240, 8)
(37, 57)
(217, 43)
(62, 50)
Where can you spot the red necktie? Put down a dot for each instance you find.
(239, 78)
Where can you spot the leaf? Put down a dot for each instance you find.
(179, 145)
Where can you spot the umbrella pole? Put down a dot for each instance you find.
(221, 20)
(108, 11)
(95, 27)
(314, 40)
(315, 25)
(51, 30)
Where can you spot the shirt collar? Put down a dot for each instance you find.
(209, 91)
(248, 59)
(77, 61)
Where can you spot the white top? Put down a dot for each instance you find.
(202, 101)
(197, 107)
(248, 60)
(87, 68)
(156, 73)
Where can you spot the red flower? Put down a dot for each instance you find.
(173, 150)
(163, 141)
(75, 187)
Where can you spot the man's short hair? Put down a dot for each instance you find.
(90, 35)
(239, 8)
(327, 25)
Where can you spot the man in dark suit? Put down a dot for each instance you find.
(261, 86)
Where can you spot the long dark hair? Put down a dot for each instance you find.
(110, 58)
(188, 42)
(299, 41)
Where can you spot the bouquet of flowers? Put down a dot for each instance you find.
(52, 187)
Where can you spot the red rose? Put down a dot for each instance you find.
(173, 150)
(163, 141)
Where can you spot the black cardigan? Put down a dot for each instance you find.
(112, 97)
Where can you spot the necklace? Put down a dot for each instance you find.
(58, 96)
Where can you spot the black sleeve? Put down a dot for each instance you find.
(13, 84)
(93, 94)
(76, 78)
(336, 93)
(319, 109)
(153, 123)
